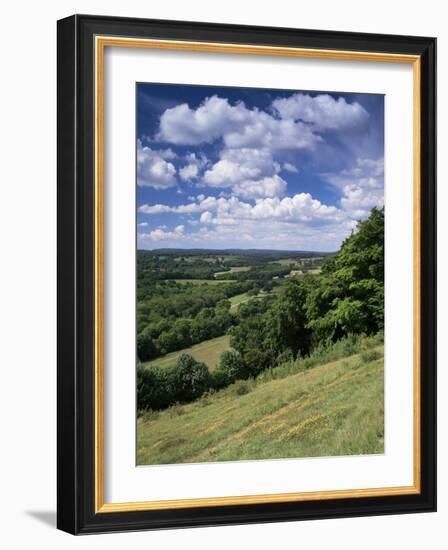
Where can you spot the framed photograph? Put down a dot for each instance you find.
(246, 274)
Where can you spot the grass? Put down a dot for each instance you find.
(232, 270)
(300, 271)
(235, 301)
(208, 352)
(286, 262)
(202, 281)
(334, 408)
(295, 273)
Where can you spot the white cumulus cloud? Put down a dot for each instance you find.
(293, 222)
(160, 234)
(296, 209)
(289, 167)
(362, 186)
(271, 186)
(237, 125)
(250, 173)
(246, 156)
(191, 170)
(206, 217)
(322, 112)
(152, 168)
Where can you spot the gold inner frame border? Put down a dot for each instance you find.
(101, 42)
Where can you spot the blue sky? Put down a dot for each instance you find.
(221, 167)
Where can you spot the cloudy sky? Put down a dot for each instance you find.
(222, 167)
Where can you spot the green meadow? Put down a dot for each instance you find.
(207, 352)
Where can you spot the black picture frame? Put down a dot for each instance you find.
(76, 255)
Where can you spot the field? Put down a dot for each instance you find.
(201, 281)
(239, 299)
(207, 352)
(334, 408)
(287, 262)
(240, 269)
(235, 301)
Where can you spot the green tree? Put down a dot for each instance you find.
(153, 388)
(231, 367)
(146, 348)
(191, 378)
(348, 297)
(257, 360)
(287, 321)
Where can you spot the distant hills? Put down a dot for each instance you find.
(236, 252)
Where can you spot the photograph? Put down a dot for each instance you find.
(259, 273)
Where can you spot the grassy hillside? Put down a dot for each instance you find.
(235, 301)
(332, 409)
(207, 352)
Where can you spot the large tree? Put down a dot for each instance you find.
(349, 295)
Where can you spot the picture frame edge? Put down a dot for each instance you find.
(75, 248)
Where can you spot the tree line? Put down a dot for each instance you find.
(346, 298)
(174, 316)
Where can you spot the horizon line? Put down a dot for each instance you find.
(233, 248)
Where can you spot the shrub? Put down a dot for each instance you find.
(286, 356)
(253, 291)
(379, 337)
(350, 344)
(325, 353)
(191, 379)
(231, 367)
(158, 388)
(148, 415)
(370, 355)
(242, 387)
(258, 360)
(146, 348)
(153, 388)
